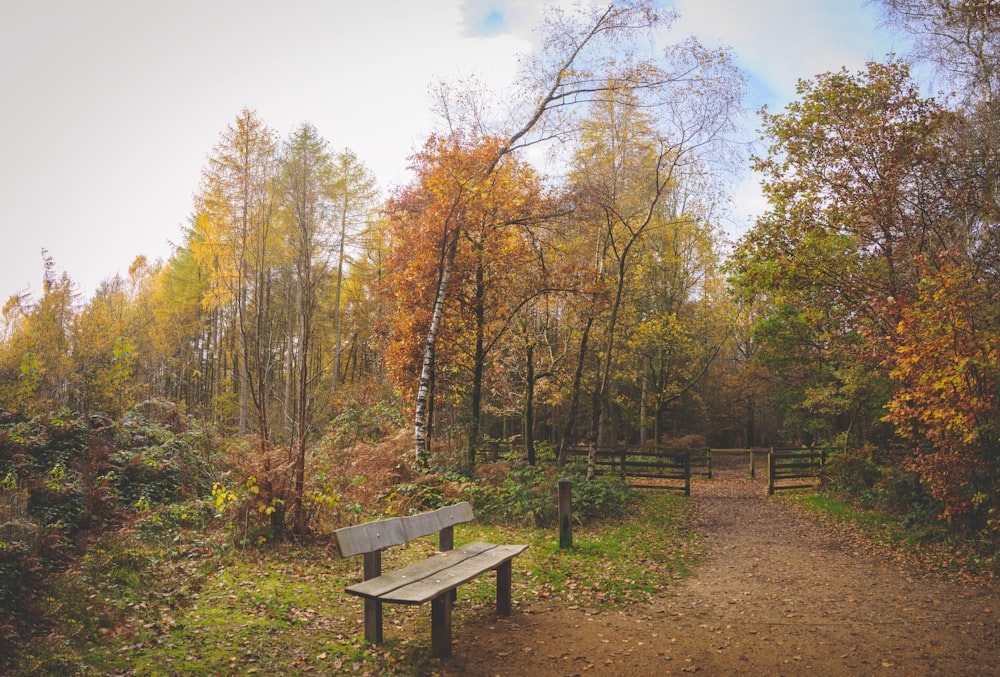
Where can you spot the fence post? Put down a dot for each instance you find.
(770, 472)
(565, 515)
(753, 471)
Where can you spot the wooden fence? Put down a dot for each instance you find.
(794, 464)
(672, 468)
(651, 467)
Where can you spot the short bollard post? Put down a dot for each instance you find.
(565, 515)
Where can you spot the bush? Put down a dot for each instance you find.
(164, 523)
(598, 497)
(37, 445)
(63, 477)
(528, 495)
(362, 422)
(855, 474)
(876, 480)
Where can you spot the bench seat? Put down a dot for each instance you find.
(422, 581)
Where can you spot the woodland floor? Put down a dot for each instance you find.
(777, 593)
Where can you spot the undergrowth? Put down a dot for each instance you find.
(147, 605)
(930, 544)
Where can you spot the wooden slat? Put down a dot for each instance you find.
(386, 533)
(418, 570)
(370, 536)
(428, 588)
(429, 523)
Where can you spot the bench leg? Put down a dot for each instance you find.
(441, 625)
(373, 621)
(503, 588)
(373, 608)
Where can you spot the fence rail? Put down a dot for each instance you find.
(794, 464)
(671, 468)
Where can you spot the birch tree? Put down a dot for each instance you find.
(584, 54)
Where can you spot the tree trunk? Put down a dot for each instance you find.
(420, 415)
(478, 365)
(529, 404)
(569, 432)
(338, 321)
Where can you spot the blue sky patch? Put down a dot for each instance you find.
(492, 23)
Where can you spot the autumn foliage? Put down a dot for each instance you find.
(486, 213)
(946, 358)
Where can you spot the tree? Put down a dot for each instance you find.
(354, 191)
(237, 198)
(638, 147)
(946, 358)
(853, 178)
(37, 367)
(474, 227)
(962, 37)
(106, 344)
(573, 59)
(879, 244)
(237, 206)
(681, 319)
(309, 214)
(184, 348)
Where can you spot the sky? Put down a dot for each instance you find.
(110, 108)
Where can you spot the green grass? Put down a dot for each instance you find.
(928, 545)
(209, 610)
(611, 563)
(880, 527)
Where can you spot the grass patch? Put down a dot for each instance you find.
(928, 545)
(282, 609)
(612, 563)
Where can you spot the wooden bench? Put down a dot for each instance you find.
(433, 579)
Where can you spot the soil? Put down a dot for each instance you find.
(777, 593)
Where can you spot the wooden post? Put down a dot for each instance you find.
(446, 539)
(503, 588)
(441, 626)
(687, 473)
(446, 542)
(753, 472)
(373, 607)
(770, 472)
(565, 515)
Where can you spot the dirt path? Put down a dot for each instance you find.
(777, 594)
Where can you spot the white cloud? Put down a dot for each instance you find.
(782, 41)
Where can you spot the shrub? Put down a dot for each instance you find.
(528, 494)
(38, 444)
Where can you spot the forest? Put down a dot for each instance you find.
(553, 277)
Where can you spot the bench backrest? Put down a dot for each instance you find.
(381, 534)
